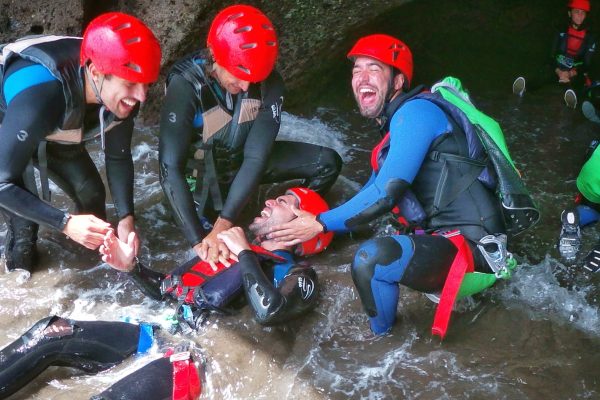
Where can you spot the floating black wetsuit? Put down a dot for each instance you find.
(172, 377)
(42, 98)
(90, 346)
(228, 142)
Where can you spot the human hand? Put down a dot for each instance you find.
(211, 249)
(118, 254)
(298, 230)
(563, 76)
(87, 230)
(125, 228)
(235, 240)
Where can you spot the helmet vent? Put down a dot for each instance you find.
(134, 67)
(235, 16)
(271, 43)
(241, 29)
(267, 27)
(243, 69)
(246, 46)
(133, 40)
(126, 25)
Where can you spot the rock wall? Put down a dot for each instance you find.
(307, 28)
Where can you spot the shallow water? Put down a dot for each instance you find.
(528, 338)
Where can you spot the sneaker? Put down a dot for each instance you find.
(570, 235)
(518, 87)
(589, 111)
(570, 98)
(592, 260)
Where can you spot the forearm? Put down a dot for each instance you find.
(180, 198)
(263, 297)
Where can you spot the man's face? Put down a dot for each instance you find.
(371, 81)
(229, 82)
(119, 95)
(577, 16)
(276, 211)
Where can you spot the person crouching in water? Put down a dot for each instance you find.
(418, 138)
(292, 291)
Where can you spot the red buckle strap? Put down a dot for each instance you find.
(463, 263)
(186, 382)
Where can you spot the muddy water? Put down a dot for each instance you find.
(526, 338)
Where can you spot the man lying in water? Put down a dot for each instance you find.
(293, 288)
(93, 346)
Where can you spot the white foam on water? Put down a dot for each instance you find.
(313, 131)
(536, 288)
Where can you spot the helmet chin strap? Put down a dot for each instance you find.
(102, 105)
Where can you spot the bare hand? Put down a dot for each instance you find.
(298, 230)
(118, 254)
(235, 240)
(87, 230)
(211, 249)
(124, 229)
(563, 76)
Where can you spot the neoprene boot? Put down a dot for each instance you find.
(570, 235)
(20, 250)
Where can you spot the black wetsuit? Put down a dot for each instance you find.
(238, 152)
(90, 346)
(36, 105)
(291, 292)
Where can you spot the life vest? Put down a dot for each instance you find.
(60, 55)
(574, 40)
(198, 288)
(571, 48)
(473, 156)
(224, 121)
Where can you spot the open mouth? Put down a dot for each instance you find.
(128, 103)
(367, 95)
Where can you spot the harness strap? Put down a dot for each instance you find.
(186, 382)
(463, 263)
(463, 183)
(43, 168)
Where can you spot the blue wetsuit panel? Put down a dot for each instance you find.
(25, 78)
(385, 288)
(412, 130)
(198, 120)
(281, 269)
(587, 215)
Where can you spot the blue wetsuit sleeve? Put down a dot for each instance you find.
(412, 130)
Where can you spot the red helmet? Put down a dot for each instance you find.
(580, 4)
(311, 201)
(121, 45)
(244, 42)
(386, 49)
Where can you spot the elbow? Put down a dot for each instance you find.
(393, 192)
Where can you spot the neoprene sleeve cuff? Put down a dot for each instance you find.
(325, 230)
